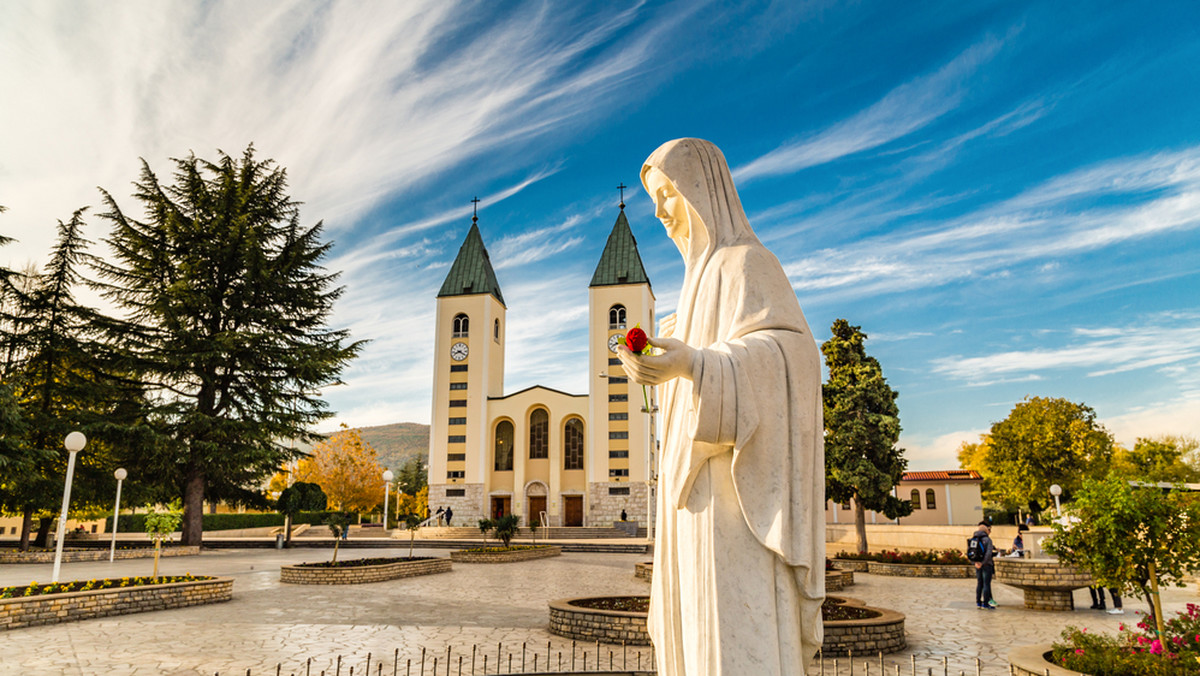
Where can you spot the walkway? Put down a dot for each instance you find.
(269, 623)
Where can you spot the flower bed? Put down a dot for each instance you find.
(851, 626)
(505, 554)
(82, 554)
(362, 571)
(34, 604)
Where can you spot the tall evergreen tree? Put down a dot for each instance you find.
(228, 306)
(862, 425)
(58, 375)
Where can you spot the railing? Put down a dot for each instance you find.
(577, 658)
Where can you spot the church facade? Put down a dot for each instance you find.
(550, 457)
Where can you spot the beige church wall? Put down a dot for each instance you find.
(890, 537)
(606, 508)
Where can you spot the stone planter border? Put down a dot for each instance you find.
(82, 605)
(881, 634)
(594, 624)
(644, 570)
(921, 569)
(1030, 660)
(1046, 583)
(538, 552)
(79, 555)
(853, 565)
(380, 572)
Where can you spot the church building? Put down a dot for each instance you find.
(551, 457)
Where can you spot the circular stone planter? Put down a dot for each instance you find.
(921, 569)
(1030, 660)
(83, 605)
(833, 581)
(1046, 582)
(571, 619)
(497, 555)
(883, 632)
(379, 572)
(643, 570)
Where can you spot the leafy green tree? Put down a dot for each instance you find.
(1135, 539)
(506, 528)
(299, 497)
(339, 525)
(862, 425)
(412, 476)
(1044, 441)
(412, 523)
(1167, 459)
(485, 527)
(160, 526)
(227, 307)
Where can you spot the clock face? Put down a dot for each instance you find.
(613, 341)
(458, 351)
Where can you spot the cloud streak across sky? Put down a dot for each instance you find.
(1006, 200)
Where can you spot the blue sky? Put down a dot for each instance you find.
(1004, 195)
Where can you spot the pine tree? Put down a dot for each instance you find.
(862, 425)
(227, 304)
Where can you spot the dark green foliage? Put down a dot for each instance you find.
(135, 523)
(507, 527)
(862, 425)
(1168, 459)
(339, 525)
(946, 557)
(412, 476)
(301, 497)
(227, 305)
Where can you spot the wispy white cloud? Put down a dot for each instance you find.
(905, 109)
(938, 452)
(536, 245)
(1127, 199)
(1167, 343)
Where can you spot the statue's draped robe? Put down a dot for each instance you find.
(739, 572)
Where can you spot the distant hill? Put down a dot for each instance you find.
(395, 443)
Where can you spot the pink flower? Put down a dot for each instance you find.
(1197, 638)
(1156, 647)
(1079, 651)
(1176, 640)
(1121, 627)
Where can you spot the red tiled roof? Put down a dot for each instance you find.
(943, 475)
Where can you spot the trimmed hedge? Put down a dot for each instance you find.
(136, 523)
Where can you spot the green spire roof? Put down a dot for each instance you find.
(472, 271)
(620, 262)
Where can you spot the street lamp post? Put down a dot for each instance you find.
(74, 443)
(387, 488)
(120, 475)
(1056, 491)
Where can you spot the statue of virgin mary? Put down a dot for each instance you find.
(739, 564)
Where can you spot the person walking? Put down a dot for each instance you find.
(449, 514)
(981, 551)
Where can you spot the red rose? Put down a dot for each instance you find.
(636, 340)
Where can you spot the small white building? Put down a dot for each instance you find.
(939, 498)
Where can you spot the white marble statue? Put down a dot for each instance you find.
(739, 562)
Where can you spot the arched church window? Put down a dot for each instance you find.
(573, 444)
(496, 330)
(539, 434)
(616, 317)
(915, 498)
(930, 500)
(461, 326)
(504, 446)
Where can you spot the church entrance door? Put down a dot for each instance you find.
(572, 510)
(537, 505)
(501, 507)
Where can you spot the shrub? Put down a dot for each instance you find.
(948, 557)
(1134, 652)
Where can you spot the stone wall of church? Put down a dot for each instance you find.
(468, 508)
(605, 508)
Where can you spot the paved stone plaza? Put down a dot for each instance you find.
(270, 623)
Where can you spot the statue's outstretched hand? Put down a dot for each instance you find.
(675, 361)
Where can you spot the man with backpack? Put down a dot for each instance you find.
(980, 551)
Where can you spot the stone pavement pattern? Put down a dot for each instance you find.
(269, 622)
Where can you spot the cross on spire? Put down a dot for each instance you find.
(622, 187)
(475, 210)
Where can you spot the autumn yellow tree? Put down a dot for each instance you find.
(347, 469)
(412, 504)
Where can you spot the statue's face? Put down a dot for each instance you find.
(669, 206)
